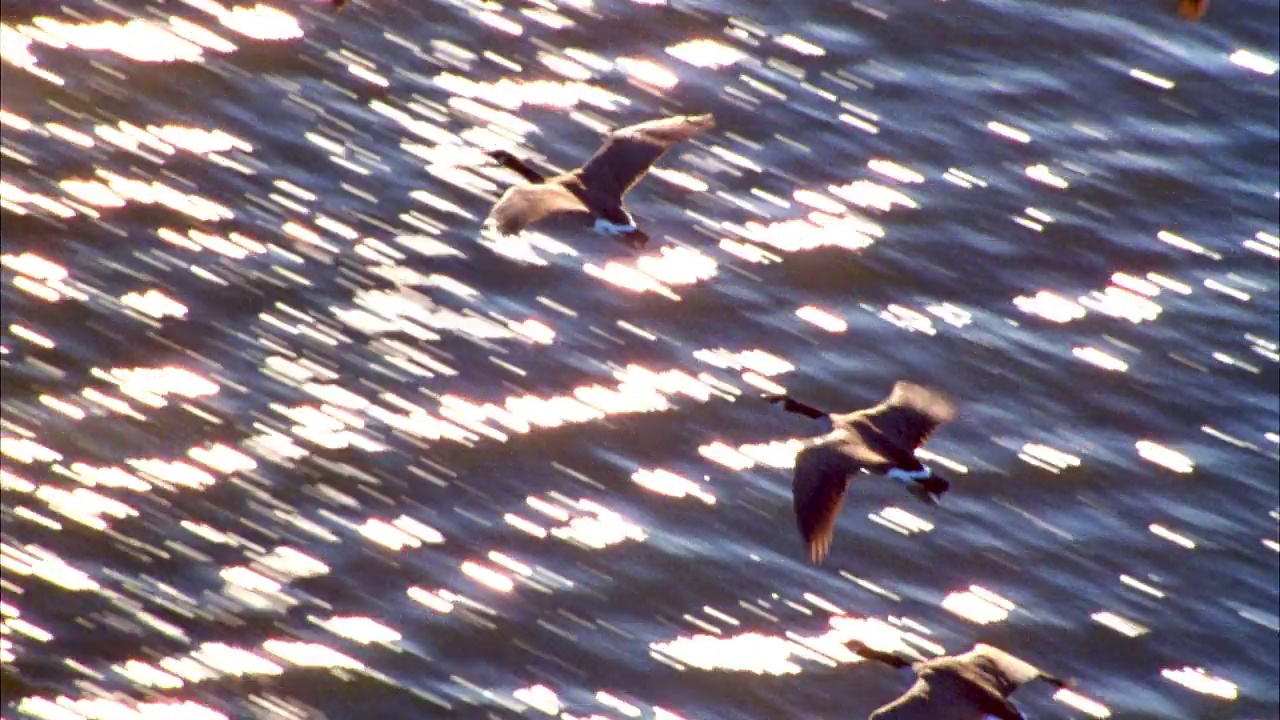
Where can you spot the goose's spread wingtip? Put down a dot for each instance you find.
(816, 555)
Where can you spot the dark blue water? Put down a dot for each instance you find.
(285, 436)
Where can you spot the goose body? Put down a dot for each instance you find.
(596, 190)
(972, 686)
(881, 440)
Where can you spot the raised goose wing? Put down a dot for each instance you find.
(629, 152)
(910, 413)
(522, 205)
(998, 669)
(817, 489)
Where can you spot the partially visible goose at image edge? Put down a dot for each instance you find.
(972, 686)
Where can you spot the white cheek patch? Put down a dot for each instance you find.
(605, 227)
(906, 476)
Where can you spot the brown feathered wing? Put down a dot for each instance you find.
(899, 425)
(818, 487)
(628, 153)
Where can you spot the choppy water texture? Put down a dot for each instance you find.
(286, 436)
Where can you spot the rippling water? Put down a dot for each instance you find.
(286, 436)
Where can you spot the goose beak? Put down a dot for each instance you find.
(498, 157)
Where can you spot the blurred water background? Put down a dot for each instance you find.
(285, 436)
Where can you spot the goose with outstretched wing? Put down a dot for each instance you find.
(596, 190)
(970, 686)
(881, 440)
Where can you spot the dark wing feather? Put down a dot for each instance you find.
(522, 205)
(818, 488)
(908, 416)
(629, 152)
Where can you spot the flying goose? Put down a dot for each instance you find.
(882, 440)
(971, 686)
(595, 190)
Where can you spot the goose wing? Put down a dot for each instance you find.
(522, 205)
(909, 415)
(818, 488)
(998, 669)
(914, 704)
(859, 444)
(629, 152)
